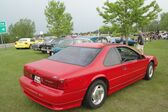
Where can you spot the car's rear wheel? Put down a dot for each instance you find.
(51, 53)
(43, 51)
(30, 47)
(150, 71)
(96, 94)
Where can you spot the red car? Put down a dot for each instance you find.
(84, 74)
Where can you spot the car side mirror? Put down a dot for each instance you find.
(142, 56)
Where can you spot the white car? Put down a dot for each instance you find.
(164, 36)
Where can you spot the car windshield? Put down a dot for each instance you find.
(81, 56)
(23, 39)
(48, 40)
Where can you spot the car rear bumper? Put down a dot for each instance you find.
(22, 46)
(51, 98)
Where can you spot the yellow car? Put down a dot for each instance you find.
(39, 41)
(24, 43)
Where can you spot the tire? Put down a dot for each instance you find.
(150, 71)
(89, 100)
(51, 53)
(43, 52)
(30, 47)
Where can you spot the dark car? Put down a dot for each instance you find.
(131, 42)
(38, 45)
(47, 46)
(97, 39)
(68, 42)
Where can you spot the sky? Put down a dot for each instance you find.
(85, 16)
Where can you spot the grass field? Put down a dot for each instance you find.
(143, 96)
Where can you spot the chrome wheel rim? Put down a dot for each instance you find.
(98, 95)
(150, 71)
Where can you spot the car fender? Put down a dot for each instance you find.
(154, 59)
(98, 76)
(95, 78)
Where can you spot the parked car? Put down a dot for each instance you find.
(47, 46)
(113, 40)
(131, 42)
(118, 39)
(37, 46)
(68, 42)
(109, 38)
(97, 39)
(39, 41)
(84, 74)
(164, 35)
(24, 43)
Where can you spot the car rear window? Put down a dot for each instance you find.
(23, 39)
(81, 56)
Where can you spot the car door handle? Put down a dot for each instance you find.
(124, 68)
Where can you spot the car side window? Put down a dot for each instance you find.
(128, 54)
(112, 58)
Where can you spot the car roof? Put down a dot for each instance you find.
(97, 45)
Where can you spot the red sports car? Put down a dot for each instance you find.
(84, 74)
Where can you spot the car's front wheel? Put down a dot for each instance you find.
(51, 53)
(96, 94)
(30, 46)
(150, 71)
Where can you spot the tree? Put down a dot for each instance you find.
(59, 22)
(129, 13)
(105, 29)
(164, 22)
(22, 28)
(114, 29)
(152, 27)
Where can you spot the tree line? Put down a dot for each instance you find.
(122, 17)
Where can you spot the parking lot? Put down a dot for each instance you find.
(143, 96)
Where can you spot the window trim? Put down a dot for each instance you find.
(130, 49)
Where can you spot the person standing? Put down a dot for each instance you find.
(140, 42)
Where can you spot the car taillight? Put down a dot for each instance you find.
(57, 84)
(27, 74)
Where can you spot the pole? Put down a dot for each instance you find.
(1, 39)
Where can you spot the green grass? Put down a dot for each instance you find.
(143, 96)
